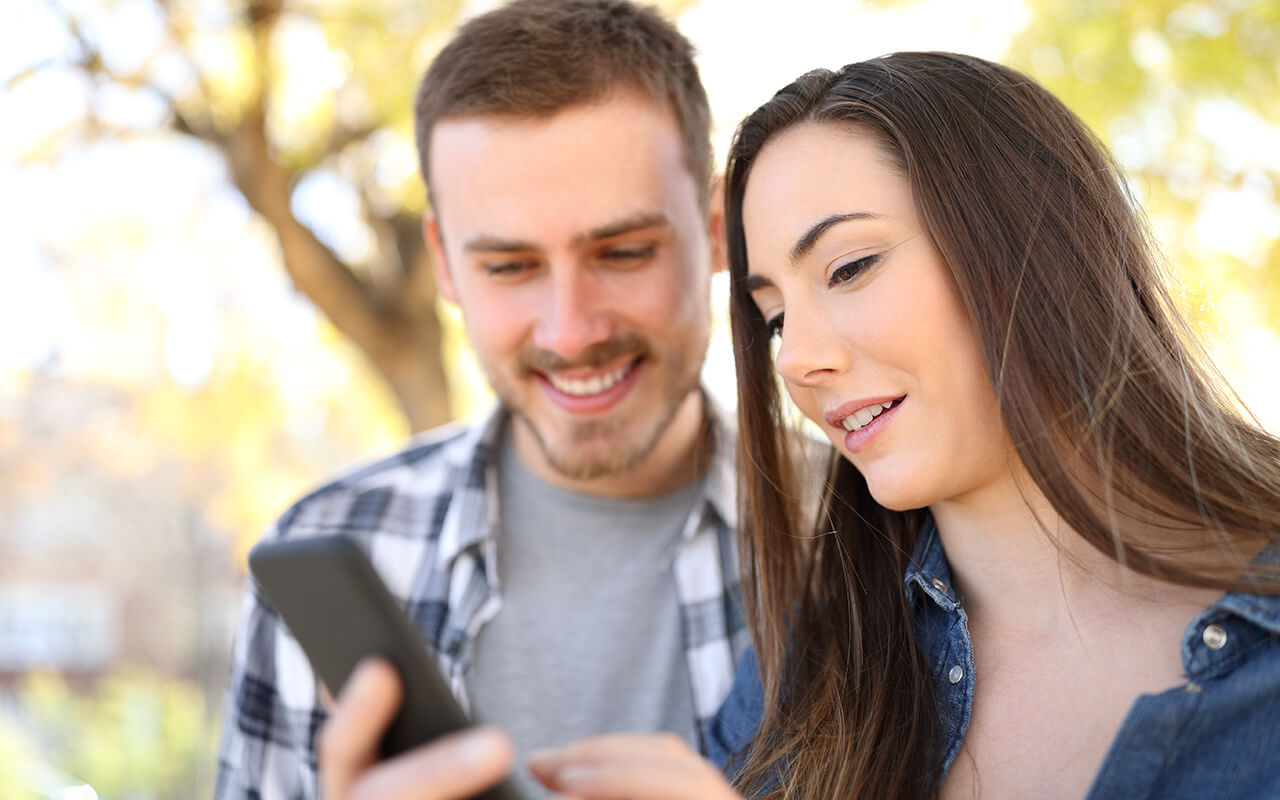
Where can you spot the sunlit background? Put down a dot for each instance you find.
(214, 294)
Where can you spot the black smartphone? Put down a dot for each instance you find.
(333, 602)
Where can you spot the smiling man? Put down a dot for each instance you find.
(568, 558)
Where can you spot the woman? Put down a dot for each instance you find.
(1027, 437)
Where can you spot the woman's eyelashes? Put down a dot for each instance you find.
(773, 325)
(839, 276)
(851, 269)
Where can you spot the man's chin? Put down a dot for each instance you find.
(604, 462)
(587, 449)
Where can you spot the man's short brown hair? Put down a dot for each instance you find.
(533, 58)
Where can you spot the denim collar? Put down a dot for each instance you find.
(1260, 609)
(929, 575)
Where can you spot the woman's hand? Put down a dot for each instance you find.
(630, 767)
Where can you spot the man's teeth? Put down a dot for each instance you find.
(862, 416)
(585, 387)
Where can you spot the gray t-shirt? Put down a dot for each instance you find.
(589, 637)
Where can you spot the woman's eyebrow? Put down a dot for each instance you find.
(810, 238)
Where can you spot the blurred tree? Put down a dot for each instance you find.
(1188, 95)
(150, 736)
(310, 103)
(310, 95)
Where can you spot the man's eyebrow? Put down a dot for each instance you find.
(633, 222)
(810, 238)
(488, 243)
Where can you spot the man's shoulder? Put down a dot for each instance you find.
(399, 492)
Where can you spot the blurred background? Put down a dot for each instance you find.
(213, 292)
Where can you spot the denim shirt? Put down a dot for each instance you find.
(1216, 735)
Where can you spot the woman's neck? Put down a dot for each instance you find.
(1020, 568)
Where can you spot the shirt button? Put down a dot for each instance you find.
(942, 587)
(956, 674)
(1215, 638)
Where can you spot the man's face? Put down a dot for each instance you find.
(577, 250)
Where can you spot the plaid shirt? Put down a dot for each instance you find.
(427, 517)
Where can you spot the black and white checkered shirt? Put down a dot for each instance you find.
(427, 517)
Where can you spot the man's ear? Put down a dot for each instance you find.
(435, 245)
(719, 240)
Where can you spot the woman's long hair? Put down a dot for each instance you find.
(1112, 408)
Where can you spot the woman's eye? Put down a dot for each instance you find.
(850, 270)
(774, 326)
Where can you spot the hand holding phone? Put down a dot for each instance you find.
(335, 605)
(453, 767)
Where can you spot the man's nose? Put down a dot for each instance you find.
(574, 317)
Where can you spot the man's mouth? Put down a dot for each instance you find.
(594, 384)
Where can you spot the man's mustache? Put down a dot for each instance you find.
(538, 360)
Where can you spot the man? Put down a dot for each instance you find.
(569, 559)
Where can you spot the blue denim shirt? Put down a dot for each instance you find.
(1217, 735)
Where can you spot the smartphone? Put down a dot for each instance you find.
(333, 602)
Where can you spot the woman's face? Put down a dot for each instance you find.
(876, 347)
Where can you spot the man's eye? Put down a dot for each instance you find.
(628, 253)
(850, 270)
(508, 268)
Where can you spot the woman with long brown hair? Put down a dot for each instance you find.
(1046, 560)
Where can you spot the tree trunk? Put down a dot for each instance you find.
(396, 326)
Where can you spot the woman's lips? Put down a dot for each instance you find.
(870, 418)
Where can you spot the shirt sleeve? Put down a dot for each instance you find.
(271, 714)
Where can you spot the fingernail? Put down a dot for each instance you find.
(575, 775)
(542, 756)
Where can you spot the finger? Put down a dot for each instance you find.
(611, 746)
(453, 767)
(642, 766)
(326, 698)
(348, 742)
(686, 779)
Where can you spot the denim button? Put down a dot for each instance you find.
(1215, 638)
(942, 587)
(956, 673)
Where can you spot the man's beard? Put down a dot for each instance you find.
(574, 457)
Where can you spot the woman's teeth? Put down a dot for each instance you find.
(862, 416)
(586, 387)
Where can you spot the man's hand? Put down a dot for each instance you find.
(631, 767)
(450, 768)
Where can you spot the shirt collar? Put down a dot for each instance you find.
(720, 488)
(929, 575)
(473, 506)
(1262, 610)
(472, 458)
